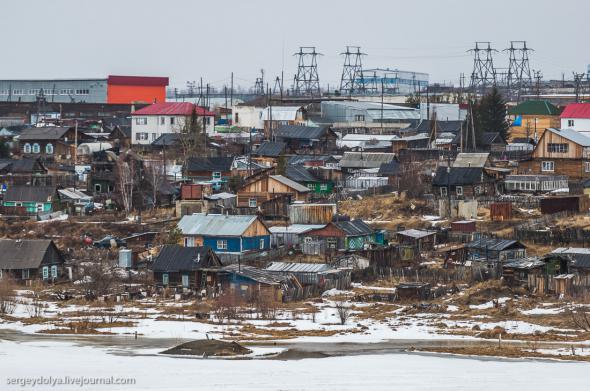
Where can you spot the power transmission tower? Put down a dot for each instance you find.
(278, 87)
(352, 80)
(519, 70)
(307, 80)
(259, 84)
(578, 79)
(538, 80)
(484, 73)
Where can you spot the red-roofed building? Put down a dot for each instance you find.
(136, 89)
(152, 121)
(576, 116)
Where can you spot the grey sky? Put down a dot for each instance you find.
(189, 39)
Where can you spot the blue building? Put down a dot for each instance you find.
(225, 234)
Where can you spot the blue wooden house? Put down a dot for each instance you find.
(225, 234)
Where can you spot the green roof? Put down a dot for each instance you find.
(534, 107)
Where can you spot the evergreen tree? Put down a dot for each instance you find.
(281, 164)
(4, 149)
(491, 114)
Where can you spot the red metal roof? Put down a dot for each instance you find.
(576, 110)
(174, 108)
(137, 80)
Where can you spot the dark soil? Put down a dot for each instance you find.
(209, 347)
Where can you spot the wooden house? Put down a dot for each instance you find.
(265, 187)
(307, 177)
(306, 139)
(51, 143)
(31, 259)
(462, 183)
(560, 152)
(233, 234)
(187, 267)
(413, 291)
(209, 168)
(33, 199)
(530, 118)
(344, 235)
(249, 282)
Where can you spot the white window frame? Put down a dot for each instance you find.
(443, 191)
(49, 149)
(162, 120)
(53, 271)
(323, 187)
(570, 123)
(586, 166)
(216, 175)
(45, 272)
(185, 281)
(165, 279)
(141, 121)
(252, 203)
(36, 148)
(27, 148)
(459, 190)
(262, 244)
(222, 244)
(548, 166)
(25, 274)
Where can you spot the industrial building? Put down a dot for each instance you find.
(394, 81)
(367, 112)
(113, 89)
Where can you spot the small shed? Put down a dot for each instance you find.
(500, 211)
(413, 291)
(576, 204)
(564, 284)
(291, 235)
(468, 226)
(421, 239)
(516, 273)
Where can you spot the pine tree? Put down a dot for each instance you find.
(491, 114)
(281, 164)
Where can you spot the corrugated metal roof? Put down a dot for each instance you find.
(175, 258)
(299, 174)
(292, 184)
(416, 233)
(296, 229)
(281, 113)
(471, 159)
(215, 225)
(576, 110)
(270, 148)
(365, 159)
(534, 107)
(256, 274)
(299, 267)
(23, 253)
(354, 227)
(525, 263)
(298, 132)
(494, 244)
(173, 108)
(24, 193)
(572, 135)
(43, 133)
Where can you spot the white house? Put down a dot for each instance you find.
(576, 116)
(151, 122)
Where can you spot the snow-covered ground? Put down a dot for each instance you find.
(410, 372)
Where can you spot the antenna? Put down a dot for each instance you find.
(307, 80)
(352, 80)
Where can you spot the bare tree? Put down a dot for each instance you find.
(7, 297)
(155, 173)
(581, 317)
(344, 311)
(126, 183)
(97, 274)
(193, 139)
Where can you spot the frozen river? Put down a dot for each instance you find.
(402, 371)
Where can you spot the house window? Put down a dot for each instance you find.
(171, 120)
(323, 187)
(162, 120)
(222, 244)
(185, 280)
(141, 136)
(252, 202)
(25, 274)
(310, 186)
(49, 149)
(216, 175)
(141, 121)
(547, 166)
(443, 191)
(557, 148)
(54, 271)
(27, 148)
(478, 190)
(570, 123)
(154, 136)
(586, 166)
(459, 190)
(97, 188)
(45, 272)
(165, 279)
(36, 148)
(262, 244)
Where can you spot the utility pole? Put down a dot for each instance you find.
(578, 78)
(382, 98)
(538, 79)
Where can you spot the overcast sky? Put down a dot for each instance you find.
(186, 40)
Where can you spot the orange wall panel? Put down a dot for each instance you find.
(135, 94)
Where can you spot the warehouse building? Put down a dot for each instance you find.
(114, 89)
